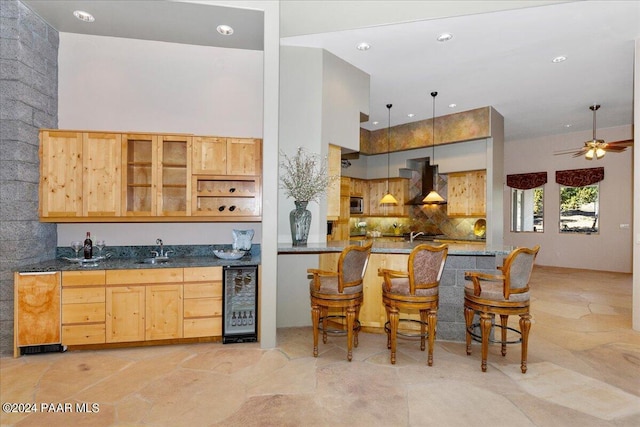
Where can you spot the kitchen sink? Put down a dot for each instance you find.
(153, 261)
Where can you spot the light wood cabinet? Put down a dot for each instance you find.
(372, 312)
(125, 313)
(83, 307)
(202, 302)
(398, 187)
(134, 177)
(466, 195)
(157, 175)
(359, 187)
(232, 198)
(36, 309)
(101, 174)
(163, 312)
(333, 191)
(79, 174)
(227, 156)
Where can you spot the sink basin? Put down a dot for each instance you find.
(156, 260)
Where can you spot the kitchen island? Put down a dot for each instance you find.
(394, 255)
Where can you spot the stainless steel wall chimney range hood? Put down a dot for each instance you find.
(429, 174)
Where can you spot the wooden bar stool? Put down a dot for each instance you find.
(503, 294)
(341, 289)
(416, 289)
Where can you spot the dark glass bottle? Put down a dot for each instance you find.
(88, 247)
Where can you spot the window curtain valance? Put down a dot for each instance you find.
(527, 181)
(580, 177)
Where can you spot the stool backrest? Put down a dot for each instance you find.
(517, 270)
(426, 264)
(352, 265)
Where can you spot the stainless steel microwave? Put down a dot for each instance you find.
(356, 205)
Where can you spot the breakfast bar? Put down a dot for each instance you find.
(394, 255)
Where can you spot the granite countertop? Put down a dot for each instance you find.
(127, 258)
(393, 247)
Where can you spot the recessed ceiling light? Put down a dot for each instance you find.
(375, 123)
(444, 37)
(559, 59)
(363, 46)
(410, 114)
(453, 105)
(568, 125)
(83, 16)
(225, 30)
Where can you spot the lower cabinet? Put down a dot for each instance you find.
(83, 307)
(37, 309)
(117, 306)
(202, 302)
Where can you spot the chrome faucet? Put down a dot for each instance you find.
(161, 253)
(413, 235)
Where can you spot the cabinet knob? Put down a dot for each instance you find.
(221, 208)
(232, 190)
(232, 208)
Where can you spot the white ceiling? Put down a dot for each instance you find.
(500, 58)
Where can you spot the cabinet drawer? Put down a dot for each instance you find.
(138, 277)
(81, 278)
(83, 334)
(83, 313)
(82, 295)
(202, 307)
(202, 274)
(202, 290)
(204, 327)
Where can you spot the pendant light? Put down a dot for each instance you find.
(433, 197)
(388, 198)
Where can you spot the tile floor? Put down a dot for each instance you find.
(584, 369)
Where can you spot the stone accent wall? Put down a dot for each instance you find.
(28, 102)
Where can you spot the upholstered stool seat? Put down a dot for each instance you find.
(503, 294)
(414, 290)
(341, 289)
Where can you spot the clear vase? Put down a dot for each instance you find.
(300, 220)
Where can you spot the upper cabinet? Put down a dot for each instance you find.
(114, 177)
(398, 187)
(80, 174)
(227, 156)
(467, 194)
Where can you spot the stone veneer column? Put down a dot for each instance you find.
(28, 102)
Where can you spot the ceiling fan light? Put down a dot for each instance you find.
(600, 153)
(433, 198)
(589, 154)
(388, 199)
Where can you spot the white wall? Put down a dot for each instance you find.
(611, 249)
(636, 197)
(108, 83)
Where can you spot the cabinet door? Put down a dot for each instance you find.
(333, 191)
(125, 306)
(466, 194)
(139, 166)
(399, 187)
(60, 174)
(477, 191)
(37, 309)
(209, 155)
(174, 175)
(164, 312)
(244, 156)
(101, 176)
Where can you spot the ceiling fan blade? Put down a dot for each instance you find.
(625, 143)
(569, 151)
(614, 149)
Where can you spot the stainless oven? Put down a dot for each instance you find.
(356, 205)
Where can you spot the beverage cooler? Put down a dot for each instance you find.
(240, 304)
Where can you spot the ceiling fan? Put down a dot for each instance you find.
(597, 148)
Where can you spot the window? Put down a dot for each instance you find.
(527, 210)
(579, 209)
(527, 201)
